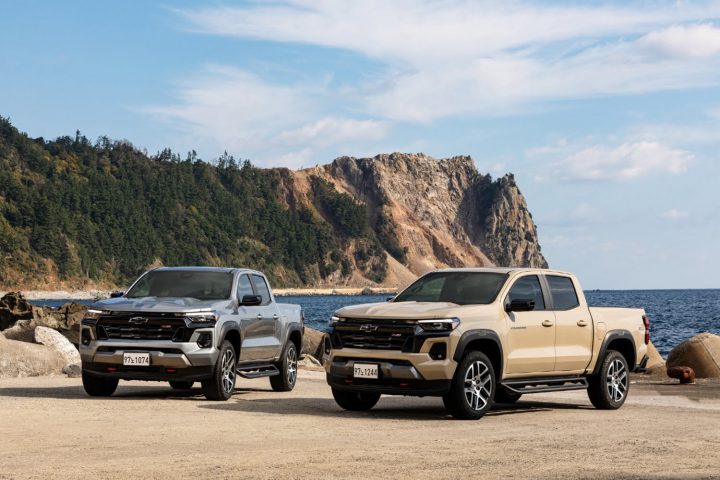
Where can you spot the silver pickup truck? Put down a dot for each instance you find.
(188, 324)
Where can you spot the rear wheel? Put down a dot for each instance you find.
(181, 385)
(285, 381)
(96, 386)
(222, 384)
(608, 389)
(355, 401)
(473, 388)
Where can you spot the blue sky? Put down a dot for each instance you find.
(608, 113)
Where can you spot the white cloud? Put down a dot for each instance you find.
(626, 161)
(684, 41)
(675, 214)
(333, 130)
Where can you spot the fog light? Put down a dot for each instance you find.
(85, 336)
(438, 351)
(204, 340)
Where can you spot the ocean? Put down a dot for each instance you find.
(675, 315)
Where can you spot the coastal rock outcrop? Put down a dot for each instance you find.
(56, 341)
(313, 343)
(701, 353)
(13, 307)
(655, 360)
(22, 359)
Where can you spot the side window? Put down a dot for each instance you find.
(563, 292)
(244, 287)
(261, 288)
(527, 288)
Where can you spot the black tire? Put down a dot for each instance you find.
(505, 395)
(355, 401)
(285, 381)
(222, 384)
(96, 386)
(609, 388)
(177, 385)
(477, 373)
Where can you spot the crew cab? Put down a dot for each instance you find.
(191, 324)
(476, 336)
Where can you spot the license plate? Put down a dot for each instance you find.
(135, 359)
(365, 370)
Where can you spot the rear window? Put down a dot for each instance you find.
(462, 288)
(563, 292)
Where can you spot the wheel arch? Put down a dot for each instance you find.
(295, 336)
(230, 331)
(482, 340)
(621, 341)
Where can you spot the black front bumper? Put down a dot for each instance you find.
(390, 386)
(151, 373)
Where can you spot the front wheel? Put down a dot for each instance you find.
(472, 390)
(222, 384)
(285, 380)
(609, 388)
(355, 401)
(97, 386)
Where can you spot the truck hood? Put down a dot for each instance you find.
(160, 304)
(402, 310)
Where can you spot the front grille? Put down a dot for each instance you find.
(139, 326)
(374, 334)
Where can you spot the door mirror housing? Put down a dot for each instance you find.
(520, 305)
(251, 300)
(117, 294)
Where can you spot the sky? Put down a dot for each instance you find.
(607, 113)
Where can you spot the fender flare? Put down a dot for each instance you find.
(609, 337)
(479, 334)
(227, 327)
(294, 327)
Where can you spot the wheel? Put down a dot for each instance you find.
(181, 385)
(609, 388)
(505, 395)
(222, 384)
(96, 386)
(285, 381)
(355, 401)
(472, 389)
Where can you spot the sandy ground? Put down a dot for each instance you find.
(50, 429)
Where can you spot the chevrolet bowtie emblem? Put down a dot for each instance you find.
(368, 328)
(138, 320)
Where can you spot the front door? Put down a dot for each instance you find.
(267, 331)
(574, 327)
(531, 335)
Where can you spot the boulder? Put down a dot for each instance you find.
(314, 343)
(701, 353)
(14, 307)
(73, 370)
(22, 331)
(655, 360)
(55, 340)
(22, 359)
(684, 374)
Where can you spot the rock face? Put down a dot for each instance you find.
(313, 343)
(701, 353)
(22, 359)
(13, 307)
(441, 213)
(56, 341)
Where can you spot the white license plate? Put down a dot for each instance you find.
(365, 370)
(135, 359)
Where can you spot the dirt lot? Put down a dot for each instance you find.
(50, 429)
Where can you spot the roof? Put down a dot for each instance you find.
(506, 270)
(204, 269)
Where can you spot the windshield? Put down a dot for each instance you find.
(202, 285)
(462, 288)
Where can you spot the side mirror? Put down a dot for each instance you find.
(389, 299)
(116, 294)
(520, 305)
(251, 300)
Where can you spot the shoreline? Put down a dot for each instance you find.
(280, 292)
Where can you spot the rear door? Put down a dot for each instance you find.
(531, 335)
(574, 328)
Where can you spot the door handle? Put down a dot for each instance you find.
(582, 323)
(259, 316)
(547, 323)
(275, 317)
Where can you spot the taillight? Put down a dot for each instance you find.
(646, 322)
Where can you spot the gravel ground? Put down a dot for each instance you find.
(50, 429)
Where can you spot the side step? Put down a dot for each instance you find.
(257, 371)
(550, 384)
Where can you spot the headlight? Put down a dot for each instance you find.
(334, 320)
(200, 317)
(92, 314)
(439, 325)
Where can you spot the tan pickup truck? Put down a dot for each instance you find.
(476, 336)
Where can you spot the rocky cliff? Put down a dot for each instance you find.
(430, 213)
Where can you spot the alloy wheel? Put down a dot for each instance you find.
(478, 385)
(291, 360)
(617, 380)
(228, 371)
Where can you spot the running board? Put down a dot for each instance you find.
(550, 384)
(257, 371)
